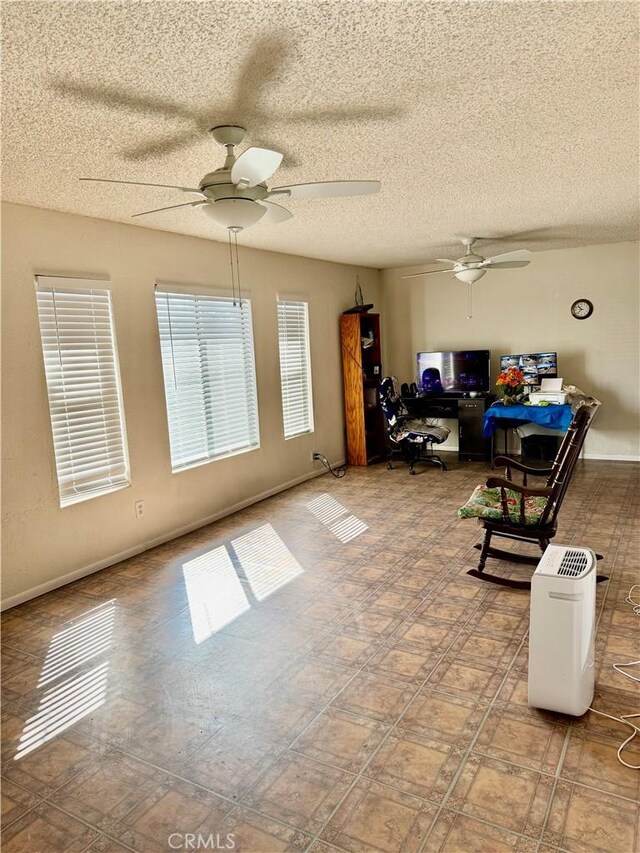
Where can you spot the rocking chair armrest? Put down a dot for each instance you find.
(500, 483)
(508, 462)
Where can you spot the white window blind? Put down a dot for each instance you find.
(295, 367)
(83, 383)
(209, 376)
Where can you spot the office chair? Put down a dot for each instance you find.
(412, 438)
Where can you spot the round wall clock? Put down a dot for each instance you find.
(581, 309)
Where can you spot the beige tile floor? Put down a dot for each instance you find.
(319, 673)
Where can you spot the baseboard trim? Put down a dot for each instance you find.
(609, 457)
(56, 583)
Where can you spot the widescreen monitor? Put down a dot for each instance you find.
(454, 372)
(534, 365)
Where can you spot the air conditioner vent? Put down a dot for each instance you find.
(573, 563)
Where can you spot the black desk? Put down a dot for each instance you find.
(472, 446)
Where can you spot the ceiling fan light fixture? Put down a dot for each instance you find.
(469, 276)
(237, 213)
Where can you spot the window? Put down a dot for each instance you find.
(83, 383)
(209, 376)
(295, 367)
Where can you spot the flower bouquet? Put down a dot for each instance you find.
(511, 381)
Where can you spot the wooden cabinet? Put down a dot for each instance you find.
(362, 372)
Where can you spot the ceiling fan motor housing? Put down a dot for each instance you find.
(218, 184)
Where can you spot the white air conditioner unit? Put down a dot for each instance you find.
(562, 630)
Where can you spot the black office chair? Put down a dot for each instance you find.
(412, 438)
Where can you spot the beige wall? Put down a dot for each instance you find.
(527, 310)
(44, 545)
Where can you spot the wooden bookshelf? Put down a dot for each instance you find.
(362, 372)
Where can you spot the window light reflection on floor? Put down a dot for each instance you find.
(326, 509)
(348, 528)
(82, 640)
(69, 699)
(266, 561)
(62, 706)
(214, 591)
(335, 516)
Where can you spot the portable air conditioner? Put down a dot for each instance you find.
(562, 630)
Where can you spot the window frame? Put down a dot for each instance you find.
(286, 299)
(67, 285)
(197, 293)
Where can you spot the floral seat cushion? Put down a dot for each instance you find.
(419, 430)
(487, 503)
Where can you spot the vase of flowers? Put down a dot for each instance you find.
(511, 381)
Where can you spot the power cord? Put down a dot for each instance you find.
(625, 718)
(338, 472)
(629, 599)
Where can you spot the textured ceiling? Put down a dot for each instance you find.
(482, 118)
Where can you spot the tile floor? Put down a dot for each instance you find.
(319, 673)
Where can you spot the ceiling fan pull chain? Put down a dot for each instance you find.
(235, 237)
(470, 299)
(233, 280)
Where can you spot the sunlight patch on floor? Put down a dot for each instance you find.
(78, 643)
(62, 706)
(337, 518)
(214, 592)
(266, 561)
(71, 694)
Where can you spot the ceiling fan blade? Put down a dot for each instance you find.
(171, 207)
(288, 158)
(142, 184)
(328, 189)
(275, 213)
(426, 272)
(519, 255)
(507, 265)
(254, 166)
(446, 261)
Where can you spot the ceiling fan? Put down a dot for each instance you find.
(235, 196)
(471, 267)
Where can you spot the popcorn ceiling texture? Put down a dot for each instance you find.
(480, 118)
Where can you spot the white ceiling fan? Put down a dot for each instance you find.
(471, 267)
(235, 196)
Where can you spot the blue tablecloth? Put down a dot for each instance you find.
(554, 417)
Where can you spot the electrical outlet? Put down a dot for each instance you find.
(316, 457)
(139, 505)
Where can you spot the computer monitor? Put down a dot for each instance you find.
(454, 372)
(534, 365)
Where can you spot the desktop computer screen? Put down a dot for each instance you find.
(452, 372)
(534, 365)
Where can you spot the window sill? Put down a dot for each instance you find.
(299, 434)
(87, 496)
(189, 466)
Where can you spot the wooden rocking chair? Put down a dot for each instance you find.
(522, 512)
